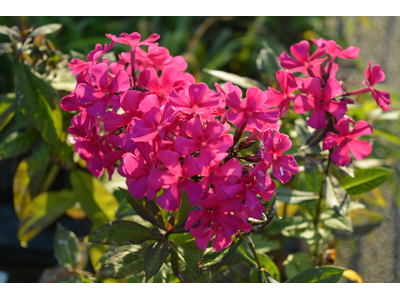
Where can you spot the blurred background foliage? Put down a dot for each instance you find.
(238, 45)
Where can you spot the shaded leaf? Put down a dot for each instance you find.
(96, 201)
(123, 264)
(297, 263)
(123, 233)
(267, 63)
(294, 196)
(66, 248)
(324, 274)
(182, 213)
(8, 104)
(43, 211)
(314, 138)
(155, 256)
(270, 267)
(16, 144)
(213, 257)
(365, 180)
(243, 82)
(148, 210)
(162, 276)
(39, 102)
(184, 261)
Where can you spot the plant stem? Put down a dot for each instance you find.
(248, 239)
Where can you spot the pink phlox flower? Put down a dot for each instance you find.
(258, 182)
(320, 101)
(317, 70)
(159, 86)
(346, 141)
(334, 50)
(211, 140)
(133, 39)
(82, 125)
(195, 101)
(154, 58)
(177, 62)
(252, 110)
(71, 103)
(105, 92)
(79, 66)
(274, 145)
(175, 179)
(215, 218)
(303, 59)
(154, 121)
(374, 76)
(137, 168)
(223, 177)
(282, 99)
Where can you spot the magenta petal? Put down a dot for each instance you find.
(171, 161)
(382, 99)
(302, 103)
(231, 168)
(86, 94)
(313, 86)
(111, 158)
(300, 51)
(206, 155)
(202, 242)
(99, 108)
(336, 108)
(228, 223)
(332, 89)
(331, 140)
(360, 128)
(193, 217)
(113, 121)
(281, 173)
(269, 116)
(138, 188)
(251, 198)
(171, 198)
(283, 143)
(288, 62)
(168, 77)
(100, 75)
(149, 79)
(377, 75)
(70, 103)
(289, 163)
(148, 103)
(158, 179)
(184, 145)
(317, 119)
(120, 82)
(343, 125)
(341, 155)
(196, 92)
(274, 97)
(193, 190)
(255, 98)
(237, 118)
(360, 149)
(190, 167)
(221, 242)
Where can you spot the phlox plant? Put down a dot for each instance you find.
(183, 147)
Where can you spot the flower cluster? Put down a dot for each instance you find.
(321, 93)
(164, 132)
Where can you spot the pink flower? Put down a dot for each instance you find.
(275, 143)
(176, 179)
(374, 76)
(282, 99)
(159, 86)
(196, 102)
(133, 39)
(303, 59)
(320, 101)
(211, 140)
(252, 110)
(335, 50)
(346, 141)
(104, 93)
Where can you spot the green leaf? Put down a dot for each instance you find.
(16, 144)
(213, 257)
(294, 196)
(162, 276)
(297, 263)
(123, 233)
(96, 201)
(267, 63)
(148, 210)
(184, 261)
(263, 245)
(324, 274)
(66, 248)
(335, 221)
(270, 266)
(10, 31)
(182, 213)
(42, 212)
(124, 210)
(243, 82)
(155, 256)
(39, 102)
(45, 29)
(123, 264)
(365, 180)
(336, 197)
(8, 104)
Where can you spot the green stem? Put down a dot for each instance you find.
(248, 239)
(51, 176)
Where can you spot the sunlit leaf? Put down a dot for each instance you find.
(45, 29)
(10, 31)
(294, 196)
(323, 275)
(335, 221)
(336, 197)
(213, 257)
(365, 180)
(243, 82)
(352, 275)
(297, 263)
(267, 63)
(8, 105)
(123, 264)
(96, 201)
(42, 212)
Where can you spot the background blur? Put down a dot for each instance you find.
(231, 44)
